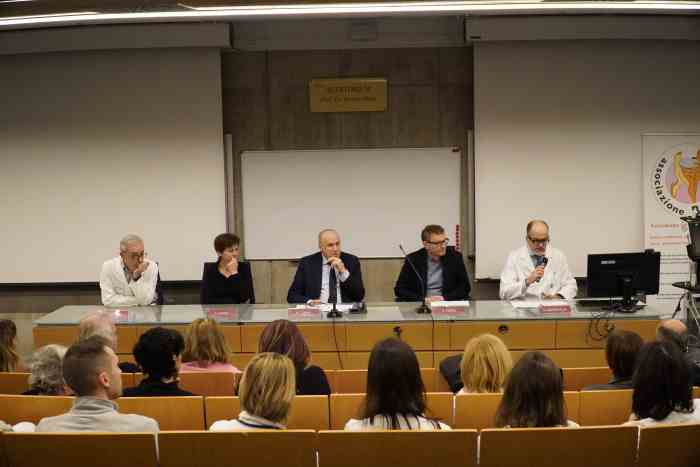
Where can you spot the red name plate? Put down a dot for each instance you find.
(555, 309)
(309, 312)
(222, 313)
(450, 310)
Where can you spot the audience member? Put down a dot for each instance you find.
(284, 337)
(675, 331)
(266, 392)
(621, 349)
(663, 392)
(101, 323)
(206, 348)
(533, 395)
(395, 396)
(90, 369)
(9, 359)
(46, 366)
(485, 365)
(159, 351)
(229, 280)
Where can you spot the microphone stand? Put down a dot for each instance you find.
(423, 308)
(334, 313)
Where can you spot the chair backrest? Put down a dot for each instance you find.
(605, 407)
(171, 413)
(74, 449)
(576, 379)
(14, 383)
(261, 448)
(343, 407)
(441, 405)
(355, 381)
(439, 448)
(669, 446)
(307, 412)
(582, 447)
(127, 380)
(209, 384)
(15, 409)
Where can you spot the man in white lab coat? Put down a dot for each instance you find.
(537, 270)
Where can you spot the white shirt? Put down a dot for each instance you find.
(326, 279)
(672, 418)
(557, 278)
(250, 422)
(405, 423)
(116, 291)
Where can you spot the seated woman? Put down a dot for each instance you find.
(158, 352)
(533, 395)
(395, 398)
(485, 365)
(267, 389)
(663, 392)
(9, 359)
(46, 365)
(206, 349)
(621, 349)
(284, 337)
(228, 280)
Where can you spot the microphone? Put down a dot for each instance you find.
(424, 308)
(334, 313)
(541, 261)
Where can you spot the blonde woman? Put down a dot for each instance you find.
(267, 389)
(206, 349)
(485, 365)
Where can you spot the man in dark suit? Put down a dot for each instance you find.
(440, 266)
(327, 276)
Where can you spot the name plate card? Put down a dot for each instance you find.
(348, 95)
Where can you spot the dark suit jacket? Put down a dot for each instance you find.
(217, 289)
(455, 281)
(307, 280)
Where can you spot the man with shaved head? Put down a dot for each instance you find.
(537, 270)
(101, 323)
(329, 276)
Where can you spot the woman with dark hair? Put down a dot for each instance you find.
(395, 398)
(663, 392)
(9, 359)
(284, 337)
(228, 280)
(159, 353)
(533, 395)
(621, 349)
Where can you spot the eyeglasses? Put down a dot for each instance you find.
(141, 255)
(538, 241)
(445, 242)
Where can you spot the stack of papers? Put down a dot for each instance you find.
(537, 303)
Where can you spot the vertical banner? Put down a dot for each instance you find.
(671, 178)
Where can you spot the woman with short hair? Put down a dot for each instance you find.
(266, 392)
(228, 280)
(395, 398)
(533, 395)
(206, 349)
(46, 366)
(485, 365)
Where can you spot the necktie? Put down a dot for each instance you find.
(332, 287)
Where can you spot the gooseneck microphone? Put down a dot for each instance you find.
(541, 261)
(424, 308)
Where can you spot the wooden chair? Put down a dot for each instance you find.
(209, 384)
(307, 412)
(15, 409)
(355, 381)
(347, 406)
(454, 448)
(74, 449)
(576, 379)
(171, 413)
(605, 407)
(669, 446)
(14, 383)
(127, 380)
(261, 448)
(609, 446)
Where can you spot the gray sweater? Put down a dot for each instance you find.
(90, 414)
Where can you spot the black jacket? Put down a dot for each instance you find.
(217, 289)
(307, 280)
(150, 387)
(455, 280)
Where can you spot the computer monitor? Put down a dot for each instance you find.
(624, 275)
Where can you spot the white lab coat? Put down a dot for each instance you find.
(557, 277)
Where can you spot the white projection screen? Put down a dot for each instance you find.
(375, 198)
(96, 145)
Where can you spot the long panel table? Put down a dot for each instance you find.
(571, 339)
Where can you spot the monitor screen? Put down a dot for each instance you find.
(609, 274)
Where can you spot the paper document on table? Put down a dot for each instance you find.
(537, 303)
(442, 303)
(325, 307)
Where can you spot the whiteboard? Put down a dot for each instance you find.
(375, 199)
(97, 145)
(558, 128)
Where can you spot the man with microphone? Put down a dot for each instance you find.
(537, 270)
(329, 276)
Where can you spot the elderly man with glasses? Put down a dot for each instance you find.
(130, 279)
(537, 270)
(441, 269)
